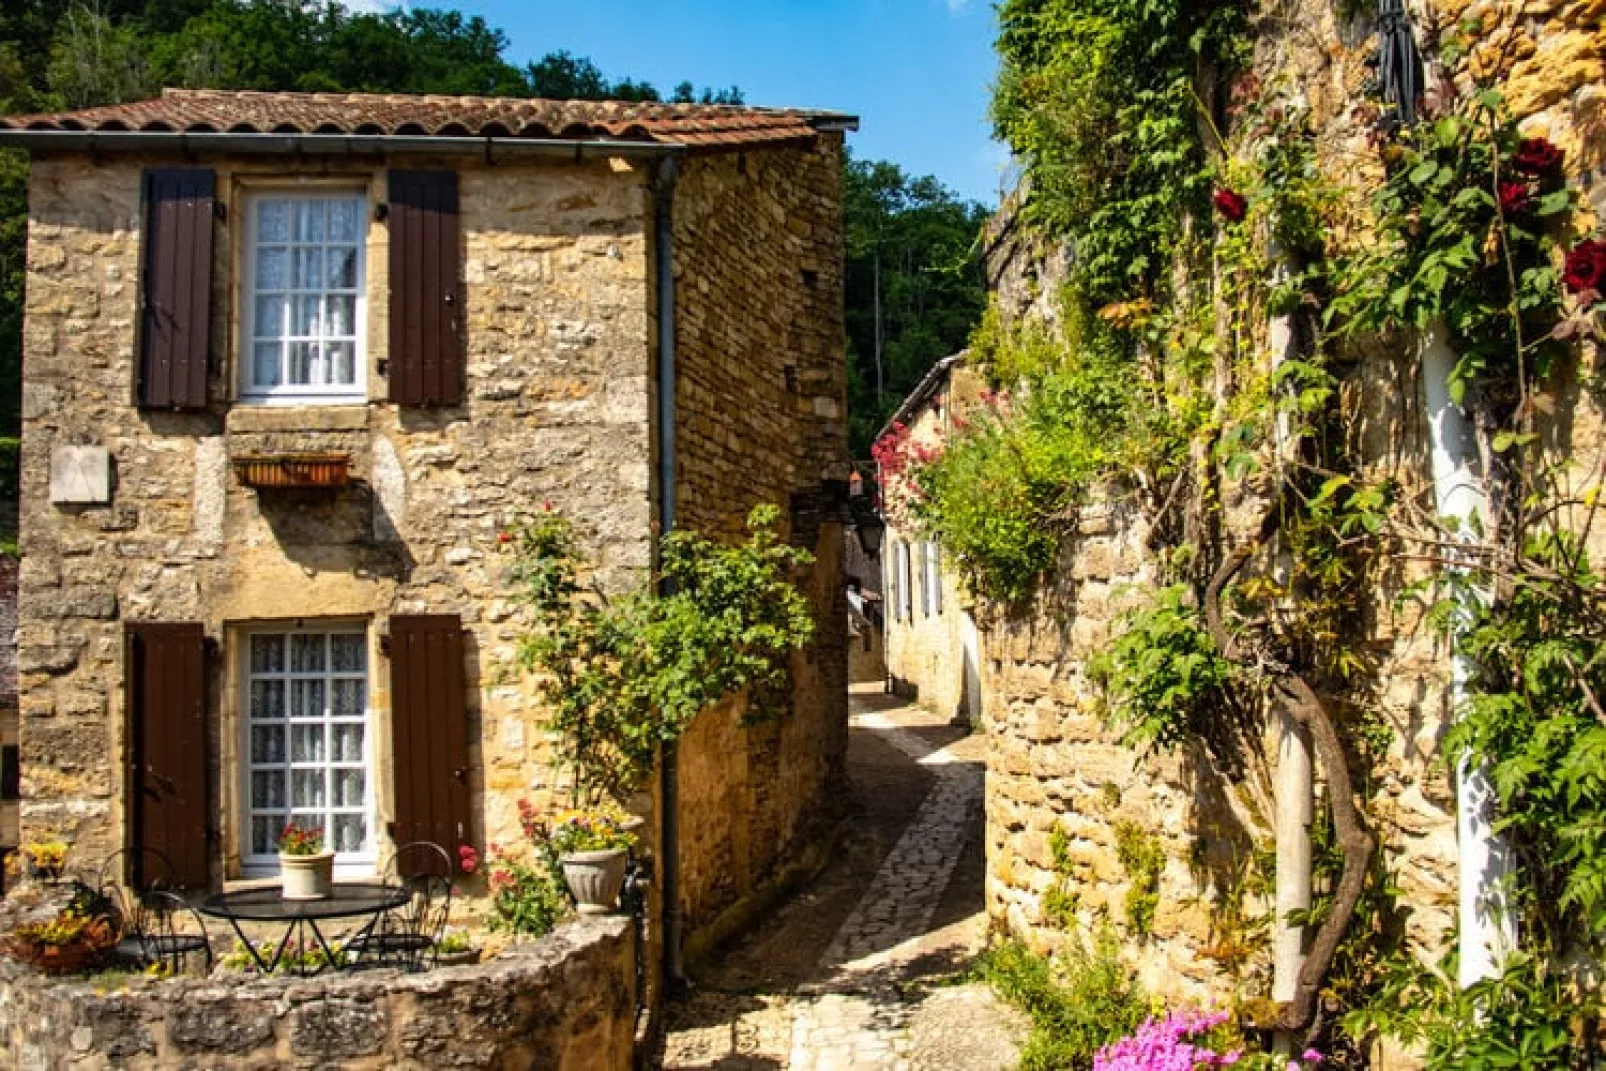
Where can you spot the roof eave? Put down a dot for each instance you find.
(326, 144)
(927, 386)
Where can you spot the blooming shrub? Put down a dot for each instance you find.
(1192, 1040)
(300, 840)
(589, 831)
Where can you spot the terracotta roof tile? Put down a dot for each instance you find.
(208, 111)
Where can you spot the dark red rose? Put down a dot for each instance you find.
(1586, 267)
(1536, 156)
(1231, 205)
(1515, 197)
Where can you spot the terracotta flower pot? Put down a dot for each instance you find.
(595, 879)
(306, 877)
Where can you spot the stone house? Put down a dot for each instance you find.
(933, 647)
(293, 361)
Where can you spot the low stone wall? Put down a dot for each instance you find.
(565, 1002)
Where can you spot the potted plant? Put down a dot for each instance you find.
(592, 848)
(78, 936)
(47, 859)
(306, 869)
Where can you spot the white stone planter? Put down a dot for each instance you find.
(595, 879)
(306, 877)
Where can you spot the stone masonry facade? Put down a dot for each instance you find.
(560, 408)
(1054, 764)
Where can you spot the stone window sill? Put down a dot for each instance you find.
(269, 418)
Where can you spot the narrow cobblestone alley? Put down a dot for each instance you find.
(853, 971)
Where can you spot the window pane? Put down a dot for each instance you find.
(307, 269)
(267, 789)
(268, 321)
(306, 653)
(351, 833)
(304, 316)
(265, 830)
(306, 743)
(347, 742)
(342, 268)
(273, 267)
(267, 699)
(343, 220)
(267, 743)
(307, 789)
(273, 221)
(349, 788)
(348, 653)
(342, 360)
(309, 221)
(266, 363)
(267, 654)
(347, 699)
(341, 321)
(306, 699)
(303, 362)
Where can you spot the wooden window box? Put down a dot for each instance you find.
(293, 470)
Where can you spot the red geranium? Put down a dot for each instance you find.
(1536, 156)
(468, 860)
(1515, 197)
(1231, 205)
(1585, 268)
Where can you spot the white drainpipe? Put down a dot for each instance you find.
(1487, 928)
(1293, 784)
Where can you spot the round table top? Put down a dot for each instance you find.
(266, 904)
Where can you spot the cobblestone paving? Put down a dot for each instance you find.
(861, 1005)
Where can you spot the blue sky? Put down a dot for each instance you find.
(916, 72)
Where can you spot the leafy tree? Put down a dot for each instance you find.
(915, 287)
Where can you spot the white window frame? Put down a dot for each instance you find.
(289, 393)
(347, 864)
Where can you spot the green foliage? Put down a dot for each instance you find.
(1078, 1002)
(1533, 720)
(913, 263)
(1005, 490)
(1527, 1017)
(1060, 902)
(623, 676)
(527, 898)
(1446, 251)
(1143, 858)
(1098, 99)
(1163, 674)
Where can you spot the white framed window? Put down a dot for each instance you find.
(308, 743)
(303, 298)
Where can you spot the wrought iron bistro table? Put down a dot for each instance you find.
(346, 900)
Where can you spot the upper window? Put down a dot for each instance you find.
(304, 308)
(307, 743)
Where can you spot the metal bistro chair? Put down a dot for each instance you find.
(159, 927)
(410, 934)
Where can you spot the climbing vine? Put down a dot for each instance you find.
(624, 675)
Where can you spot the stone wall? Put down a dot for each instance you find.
(762, 419)
(1054, 764)
(557, 410)
(566, 1002)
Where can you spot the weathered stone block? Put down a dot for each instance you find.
(80, 475)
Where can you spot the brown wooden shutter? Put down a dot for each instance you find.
(426, 305)
(429, 725)
(176, 288)
(166, 787)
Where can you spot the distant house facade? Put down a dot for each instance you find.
(933, 647)
(292, 362)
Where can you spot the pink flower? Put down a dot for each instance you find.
(1311, 1056)
(468, 860)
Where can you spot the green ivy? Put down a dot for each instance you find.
(1163, 674)
(623, 676)
(1143, 858)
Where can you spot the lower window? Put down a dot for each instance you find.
(307, 743)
